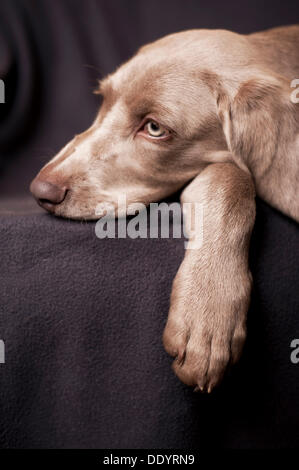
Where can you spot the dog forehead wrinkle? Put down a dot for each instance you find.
(116, 116)
(166, 94)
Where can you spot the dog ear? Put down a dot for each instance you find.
(257, 121)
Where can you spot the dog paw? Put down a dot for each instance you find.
(206, 326)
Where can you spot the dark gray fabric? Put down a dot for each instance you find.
(82, 319)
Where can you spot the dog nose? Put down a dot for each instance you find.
(47, 194)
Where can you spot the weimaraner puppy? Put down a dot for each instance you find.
(214, 112)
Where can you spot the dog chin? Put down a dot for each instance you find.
(96, 211)
(76, 214)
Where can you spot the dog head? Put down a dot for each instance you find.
(161, 121)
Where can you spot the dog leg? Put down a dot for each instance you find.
(206, 326)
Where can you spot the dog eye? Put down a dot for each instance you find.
(155, 130)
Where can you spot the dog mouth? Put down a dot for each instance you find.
(61, 203)
(70, 203)
(73, 209)
(47, 205)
